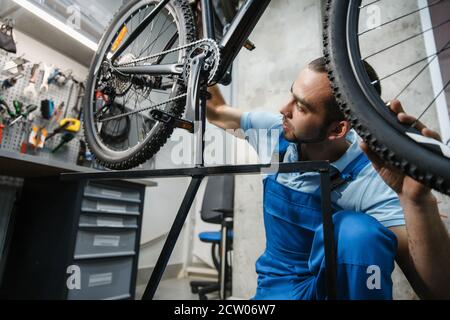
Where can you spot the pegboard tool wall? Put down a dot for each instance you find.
(13, 136)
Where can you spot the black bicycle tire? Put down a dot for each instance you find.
(386, 141)
(155, 141)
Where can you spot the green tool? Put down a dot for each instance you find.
(66, 138)
(29, 109)
(4, 105)
(18, 106)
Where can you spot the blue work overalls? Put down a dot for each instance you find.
(293, 264)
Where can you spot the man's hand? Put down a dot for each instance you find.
(423, 243)
(219, 113)
(402, 184)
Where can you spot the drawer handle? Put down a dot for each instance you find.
(100, 279)
(107, 208)
(106, 241)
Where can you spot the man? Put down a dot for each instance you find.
(371, 229)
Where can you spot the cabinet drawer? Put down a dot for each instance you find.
(107, 220)
(103, 279)
(108, 206)
(92, 243)
(112, 193)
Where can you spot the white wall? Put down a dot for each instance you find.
(36, 52)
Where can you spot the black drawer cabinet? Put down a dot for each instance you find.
(75, 240)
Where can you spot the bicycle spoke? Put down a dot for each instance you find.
(137, 21)
(154, 41)
(137, 125)
(405, 40)
(169, 45)
(140, 28)
(418, 74)
(151, 34)
(368, 4)
(431, 103)
(412, 64)
(399, 18)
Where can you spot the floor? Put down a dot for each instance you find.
(174, 289)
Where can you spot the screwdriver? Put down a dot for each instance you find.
(66, 138)
(30, 108)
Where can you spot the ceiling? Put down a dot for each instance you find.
(95, 16)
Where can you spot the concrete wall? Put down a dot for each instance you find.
(36, 52)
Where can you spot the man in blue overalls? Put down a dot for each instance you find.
(370, 224)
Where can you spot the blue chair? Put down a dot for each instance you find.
(217, 208)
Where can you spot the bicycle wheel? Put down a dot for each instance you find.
(119, 130)
(394, 37)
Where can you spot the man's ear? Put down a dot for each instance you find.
(338, 130)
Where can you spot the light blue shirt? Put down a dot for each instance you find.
(366, 193)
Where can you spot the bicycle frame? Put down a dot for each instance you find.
(230, 45)
(238, 32)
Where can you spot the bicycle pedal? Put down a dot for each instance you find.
(167, 118)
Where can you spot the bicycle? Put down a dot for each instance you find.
(146, 62)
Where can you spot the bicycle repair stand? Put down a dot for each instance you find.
(194, 99)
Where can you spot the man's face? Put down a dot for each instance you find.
(305, 114)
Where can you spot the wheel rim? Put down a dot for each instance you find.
(354, 49)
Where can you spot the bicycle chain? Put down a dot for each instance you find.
(184, 95)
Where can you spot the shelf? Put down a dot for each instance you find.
(29, 166)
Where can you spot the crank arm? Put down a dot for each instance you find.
(193, 85)
(167, 118)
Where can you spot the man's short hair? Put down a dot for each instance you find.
(333, 112)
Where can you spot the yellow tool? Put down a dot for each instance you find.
(70, 124)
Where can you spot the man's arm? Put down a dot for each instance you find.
(424, 244)
(219, 113)
(424, 248)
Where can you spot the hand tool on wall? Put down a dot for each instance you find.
(37, 136)
(11, 82)
(57, 113)
(30, 90)
(24, 144)
(69, 124)
(60, 129)
(21, 115)
(81, 158)
(1, 131)
(47, 71)
(59, 77)
(66, 138)
(4, 107)
(69, 98)
(47, 109)
(15, 66)
(78, 105)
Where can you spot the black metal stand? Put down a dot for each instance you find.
(200, 171)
